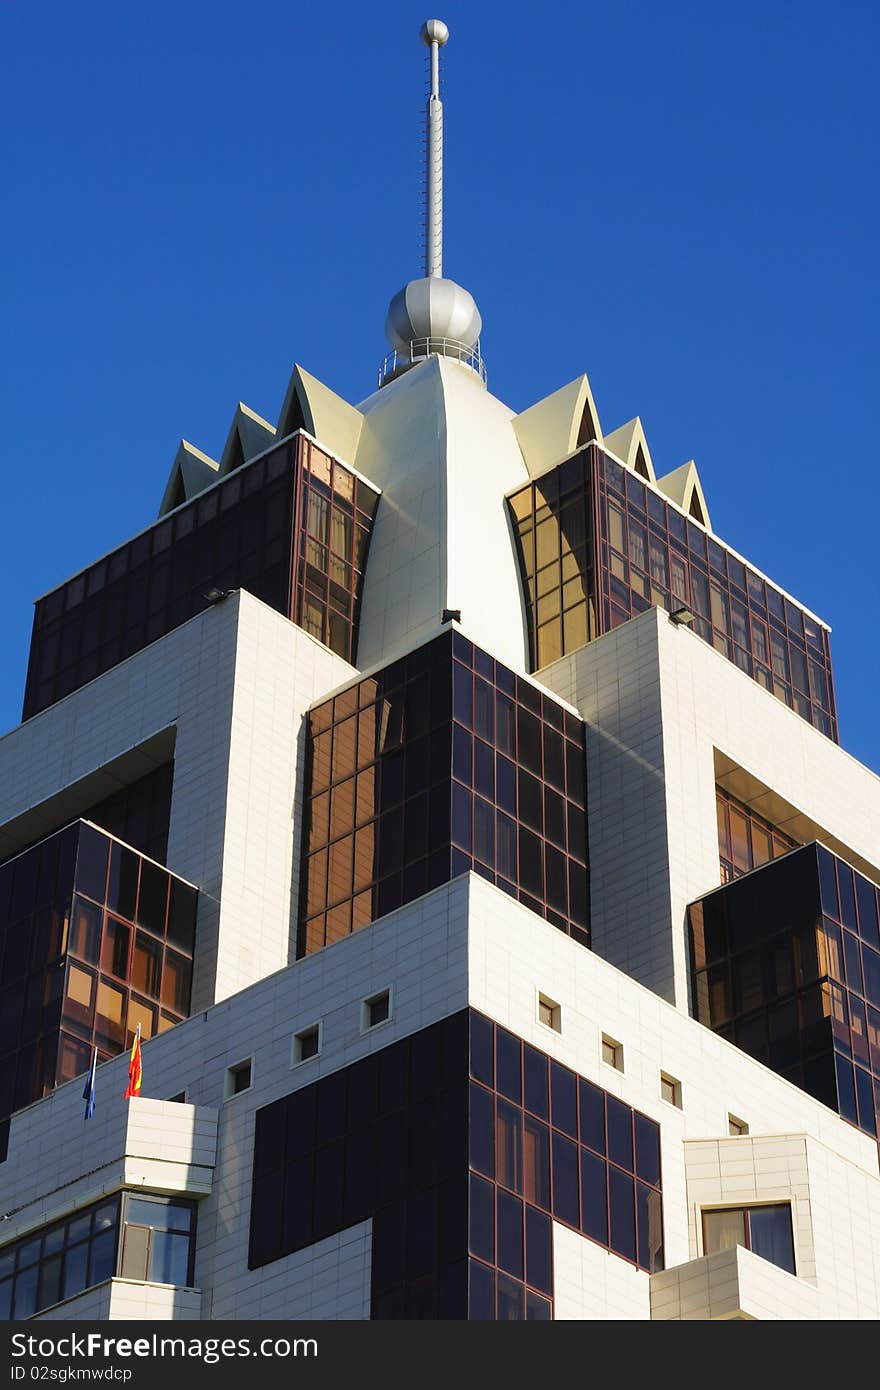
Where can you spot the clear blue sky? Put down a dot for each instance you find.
(679, 199)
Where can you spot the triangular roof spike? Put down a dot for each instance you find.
(554, 428)
(312, 406)
(191, 472)
(683, 486)
(249, 434)
(629, 444)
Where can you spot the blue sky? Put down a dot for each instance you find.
(680, 200)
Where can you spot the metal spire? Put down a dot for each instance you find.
(434, 36)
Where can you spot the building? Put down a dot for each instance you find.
(464, 826)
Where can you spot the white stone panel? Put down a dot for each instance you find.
(133, 1301)
(659, 702)
(444, 453)
(420, 951)
(233, 684)
(160, 1146)
(731, 1284)
(751, 1170)
(514, 954)
(469, 942)
(592, 1284)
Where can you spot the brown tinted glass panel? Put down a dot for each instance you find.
(597, 545)
(71, 962)
(441, 763)
(291, 527)
(745, 839)
(416, 1138)
(778, 969)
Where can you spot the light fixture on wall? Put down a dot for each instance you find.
(450, 615)
(215, 595)
(682, 617)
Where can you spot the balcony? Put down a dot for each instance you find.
(730, 1284)
(149, 1145)
(128, 1300)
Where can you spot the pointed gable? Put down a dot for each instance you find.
(249, 434)
(312, 406)
(191, 472)
(554, 428)
(683, 487)
(628, 443)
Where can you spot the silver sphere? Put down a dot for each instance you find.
(433, 308)
(434, 31)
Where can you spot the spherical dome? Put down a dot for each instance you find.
(434, 31)
(433, 308)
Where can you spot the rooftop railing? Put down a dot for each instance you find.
(401, 359)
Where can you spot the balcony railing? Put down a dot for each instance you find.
(420, 349)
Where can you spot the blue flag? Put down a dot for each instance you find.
(89, 1088)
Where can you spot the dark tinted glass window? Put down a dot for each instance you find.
(386, 801)
(782, 966)
(240, 534)
(77, 970)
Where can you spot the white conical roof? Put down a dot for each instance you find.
(444, 453)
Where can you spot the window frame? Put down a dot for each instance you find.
(120, 1199)
(229, 1091)
(670, 1083)
(616, 1061)
(367, 1004)
(554, 1023)
(746, 1209)
(159, 1199)
(317, 1028)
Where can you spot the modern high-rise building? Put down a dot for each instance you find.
(464, 826)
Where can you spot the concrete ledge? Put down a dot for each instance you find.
(730, 1284)
(155, 1145)
(120, 1300)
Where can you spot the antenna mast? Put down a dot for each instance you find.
(434, 36)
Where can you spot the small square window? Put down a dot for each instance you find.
(612, 1052)
(670, 1090)
(238, 1078)
(736, 1126)
(549, 1013)
(306, 1044)
(375, 1010)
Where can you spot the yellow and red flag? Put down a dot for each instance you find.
(134, 1068)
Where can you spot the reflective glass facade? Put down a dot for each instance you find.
(460, 1176)
(60, 1261)
(95, 939)
(555, 526)
(444, 761)
(139, 814)
(292, 528)
(544, 1142)
(598, 545)
(786, 964)
(745, 839)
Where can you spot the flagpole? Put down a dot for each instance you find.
(90, 1086)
